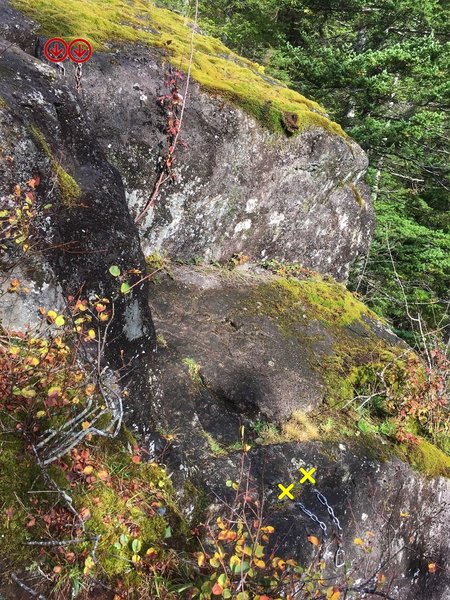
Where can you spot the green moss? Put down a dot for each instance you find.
(214, 446)
(288, 299)
(69, 189)
(17, 475)
(215, 67)
(357, 194)
(426, 458)
(193, 369)
(136, 502)
(3, 104)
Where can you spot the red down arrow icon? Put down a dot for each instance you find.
(80, 50)
(55, 50)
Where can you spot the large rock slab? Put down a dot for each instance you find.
(267, 344)
(239, 188)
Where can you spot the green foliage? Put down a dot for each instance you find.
(193, 369)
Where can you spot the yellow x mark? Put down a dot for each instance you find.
(307, 475)
(285, 491)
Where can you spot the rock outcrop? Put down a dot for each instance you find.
(87, 227)
(239, 188)
(279, 355)
(253, 349)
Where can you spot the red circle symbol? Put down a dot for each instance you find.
(56, 50)
(80, 50)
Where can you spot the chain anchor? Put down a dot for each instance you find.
(339, 555)
(78, 75)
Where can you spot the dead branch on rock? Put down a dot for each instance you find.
(176, 103)
(27, 588)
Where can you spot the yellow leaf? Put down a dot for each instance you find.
(88, 469)
(102, 475)
(358, 542)
(259, 563)
(404, 514)
(40, 414)
(89, 389)
(200, 559)
(52, 315)
(136, 558)
(14, 350)
(267, 529)
(91, 334)
(313, 540)
(59, 321)
(103, 316)
(85, 424)
(54, 391)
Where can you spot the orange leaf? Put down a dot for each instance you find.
(102, 475)
(33, 183)
(432, 567)
(313, 540)
(57, 569)
(85, 424)
(136, 459)
(217, 590)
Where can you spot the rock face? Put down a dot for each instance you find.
(44, 133)
(227, 361)
(239, 188)
(262, 340)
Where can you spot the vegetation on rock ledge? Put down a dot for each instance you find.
(215, 67)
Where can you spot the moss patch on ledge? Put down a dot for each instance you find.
(216, 68)
(425, 458)
(68, 187)
(342, 341)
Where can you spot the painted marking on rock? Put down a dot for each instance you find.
(56, 50)
(80, 50)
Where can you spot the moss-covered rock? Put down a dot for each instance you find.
(215, 67)
(69, 189)
(129, 510)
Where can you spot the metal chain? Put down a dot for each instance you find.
(321, 498)
(78, 74)
(339, 555)
(313, 517)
